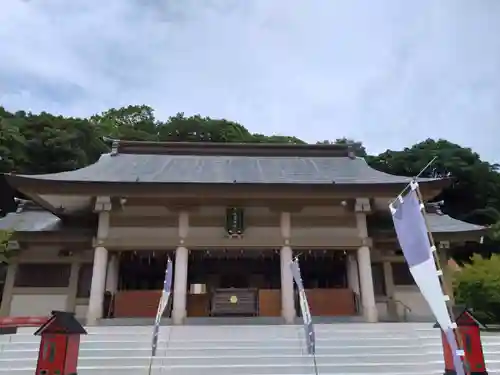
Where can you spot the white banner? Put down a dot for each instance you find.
(304, 308)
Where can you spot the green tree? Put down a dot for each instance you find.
(357, 146)
(5, 237)
(55, 143)
(12, 144)
(261, 138)
(477, 285)
(494, 231)
(43, 143)
(135, 122)
(474, 194)
(180, 128)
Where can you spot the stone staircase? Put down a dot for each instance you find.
(343, 348)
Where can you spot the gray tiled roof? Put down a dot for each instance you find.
(446, 224)
(30, 221)
(228, 170)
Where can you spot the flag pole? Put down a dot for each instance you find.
(150, 368)
(150, 365)
(315, 364)
(437, 263)
(162, 305)
(414, 179)
(444, 287)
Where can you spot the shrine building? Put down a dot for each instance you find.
(231, 217)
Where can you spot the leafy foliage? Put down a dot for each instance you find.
(477, 285)
(136, 123)
(474, 194)
(4, 242)
(44, 143)
(494, 231)
(357, 147)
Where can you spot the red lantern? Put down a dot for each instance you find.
(469, 329)
(59, 345)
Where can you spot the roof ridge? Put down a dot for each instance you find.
(231, 149)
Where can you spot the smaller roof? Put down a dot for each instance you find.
(441, 223)
(30, 217)
(61, 322)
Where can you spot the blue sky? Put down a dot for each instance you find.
(388, 73)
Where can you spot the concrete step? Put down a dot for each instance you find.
(349, 349)
(320, 328)
(226, 321)
(130, 350)
(145, 341)
(324, 369)
(210, 361)
(174, 335)
(256, 369)
(243, 341)
(164, 371)
(141, 342)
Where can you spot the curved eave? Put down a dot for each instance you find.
(443, 228)
(457, 230)
(440, 223)
(470, 235)
(45, 185)
(472, 232)
(31, 221)
(38, 226)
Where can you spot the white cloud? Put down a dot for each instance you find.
(389, 73)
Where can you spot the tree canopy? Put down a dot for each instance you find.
(477, 285)
(474, 194)
(357, 147)
(4, 244)
(46, 143)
